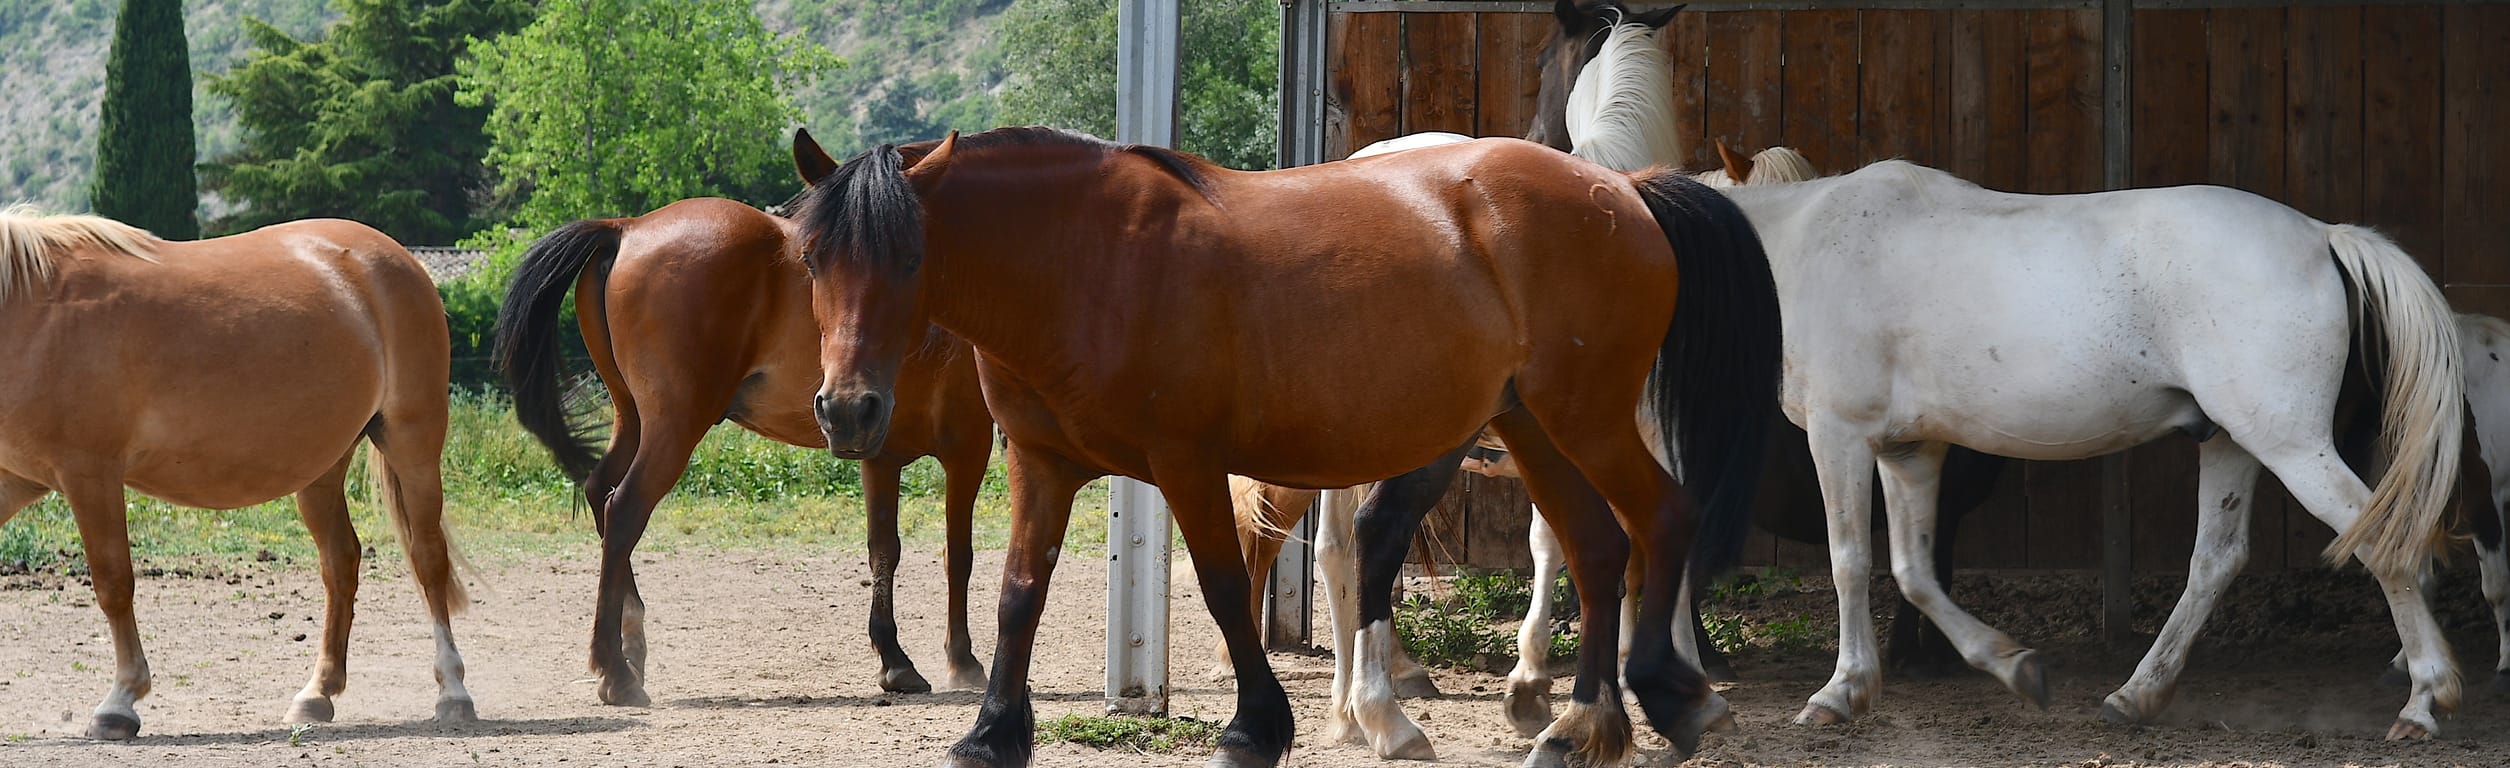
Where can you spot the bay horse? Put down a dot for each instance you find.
(699, 313)
(1142, 312)
(2068, 326)
(224, 373)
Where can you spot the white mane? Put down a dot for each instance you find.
(1621, 112)
(30, 240)
(1775, 165)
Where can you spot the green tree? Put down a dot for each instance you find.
(144, 143)
(615, 107)
(362, 123)
(1062, 60)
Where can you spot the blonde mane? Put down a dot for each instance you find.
(29, 241)
(1620, 114)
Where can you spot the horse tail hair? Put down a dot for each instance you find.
(2414, 358)
(527, 340)
(395, 503)
(1252, 501)
(1715, 385)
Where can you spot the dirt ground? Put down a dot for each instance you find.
(761, 660)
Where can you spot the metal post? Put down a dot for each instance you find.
(1137, 520)
(1289, 593)
(1302, 82)
(2117, 524)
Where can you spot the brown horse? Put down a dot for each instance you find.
(698, 313)
(220, 374)
(1145, 313)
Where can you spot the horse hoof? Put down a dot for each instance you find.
(2395, 678)
(1231, 758)
(1343, 730)
(2030, 679)
(904, 680)
(624, 694)
(1549, 754)
(2115, 712)
(967, 677)
(1714, 715)
(1416, 686)
(456, 711)
(113, 726)
(1408, 743)
(309, 710)
(1529, 708)
(2408, 730)
(1816, 714)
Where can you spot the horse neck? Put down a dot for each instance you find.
(1012, 276)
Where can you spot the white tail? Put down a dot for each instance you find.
(2425, 404)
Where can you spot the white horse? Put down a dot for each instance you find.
(2484, 343)
(1924, 310)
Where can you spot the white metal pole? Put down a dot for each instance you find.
(1137, 519)
(1289, 597)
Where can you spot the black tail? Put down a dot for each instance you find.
(1715, 387)
(527, 339)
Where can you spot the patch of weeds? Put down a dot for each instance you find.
(297, 732)
(1725, 631)
(1141, 735)
(1795, 633)
(1469, 624)
(80, 666)
(20, 738)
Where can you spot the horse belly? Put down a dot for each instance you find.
(2056, 422)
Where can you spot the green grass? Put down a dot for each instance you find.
(507, 500)
(1132, 734)
(1468, 625)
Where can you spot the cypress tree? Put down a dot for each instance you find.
(144, 145)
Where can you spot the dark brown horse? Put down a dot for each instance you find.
(1145, 313)
(699, 313)
(219, 374)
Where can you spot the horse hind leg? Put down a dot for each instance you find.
(2335, 495)
(2495, 561)
(880, 505)
(964, 478)
(409, 445)
(325, 509)
(1382, 531)
(1337, 572)
(103, 530)
(2226, 477)
(662, 454)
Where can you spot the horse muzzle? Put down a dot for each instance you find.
(854, 424)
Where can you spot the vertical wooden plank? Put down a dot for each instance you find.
(2164, 501)
(2401, 136)
(1438, 82)
(2244, 81)
(2168, 101)
(2474, 198)
(2064, 499)
(1508, 78)
(1996, 535)
(1896, 105)
(1686, 43)
(1743, 79)
(2323, 99)
(1981, 138)
(2008, 99)
(2063, 133)
(1494, 535)
(1819, 105)
(1367, 81)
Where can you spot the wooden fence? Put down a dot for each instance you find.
(2381, 113)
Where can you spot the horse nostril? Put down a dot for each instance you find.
(870, 408)
(819, 407)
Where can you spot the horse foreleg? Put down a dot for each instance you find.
(1529, 686)
(880, 513)
(1846, 468)
(1338, 570)
(103, 530)
(1260, 733)
(1593, 728)
(1383, 531)
(2490, 553)
(964, 478)
(1042, 487)
(325, 509)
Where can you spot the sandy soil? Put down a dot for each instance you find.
(761, 660)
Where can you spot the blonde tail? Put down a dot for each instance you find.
(388, 494)
(2424, 405)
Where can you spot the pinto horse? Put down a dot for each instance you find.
(698, 313)
(224, 373)
(1142, 312)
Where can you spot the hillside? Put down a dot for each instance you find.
(910, 72)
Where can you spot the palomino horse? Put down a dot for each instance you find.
(1933, 312)
(698, 313)
(1142, 312)
(220, 374)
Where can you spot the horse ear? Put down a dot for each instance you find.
(809, 160)
(1738, 168)
(939, 158)
(1571, 19)
(1660, 17)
